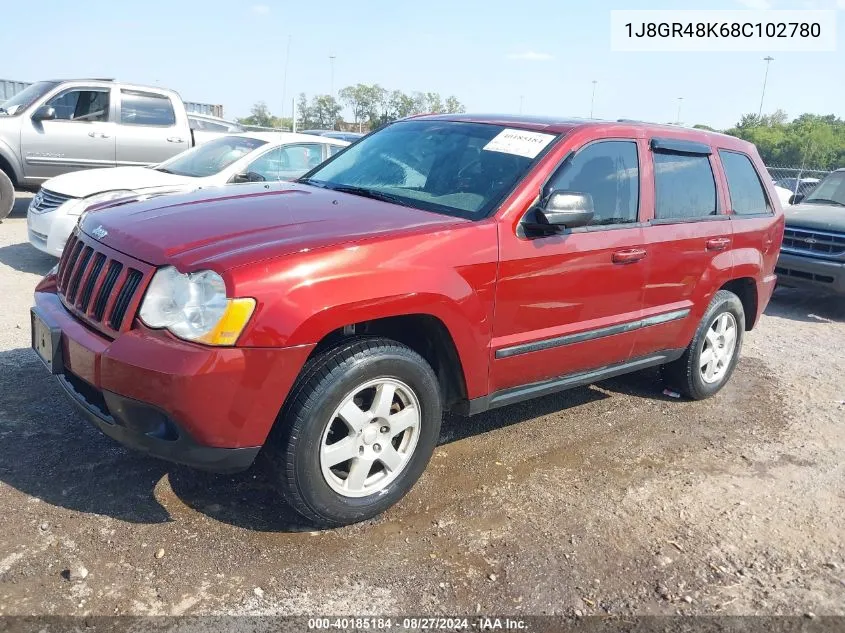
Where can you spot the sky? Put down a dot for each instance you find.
(495, 56)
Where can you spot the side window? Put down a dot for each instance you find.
(145, 108)
(83, 104)
(746, 191)
(609, 172)
(267, 165)
(299, 158)
(683, 186)
(334, 149)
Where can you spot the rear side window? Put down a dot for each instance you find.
(145, 108)
(746, 191)
(609, 172)
(684, 187)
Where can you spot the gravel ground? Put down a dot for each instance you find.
(608, 499)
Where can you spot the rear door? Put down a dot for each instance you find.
(566, 303)
(82, 136)
(688, 237)
(149, 131)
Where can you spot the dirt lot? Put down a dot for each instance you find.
(608, 499)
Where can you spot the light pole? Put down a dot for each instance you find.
(678, 118)
(593, 98)
(331, 85)
(768, 59)
(521, 97)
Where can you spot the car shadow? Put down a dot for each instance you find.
(26, 258)
(799, 304)
(49, 452)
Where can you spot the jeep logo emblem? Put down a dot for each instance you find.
(99, 232)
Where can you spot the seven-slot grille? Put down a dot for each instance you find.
(814, 243)
(101, 286)
(46, 200)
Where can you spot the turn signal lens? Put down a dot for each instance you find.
(231, 324)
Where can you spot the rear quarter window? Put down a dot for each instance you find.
(744, 186)
(684, 187)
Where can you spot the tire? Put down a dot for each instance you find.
(7, 196)
(298, 453)
(687, 374)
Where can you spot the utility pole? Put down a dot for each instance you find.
(768, 59)
(331, 63)
(593, 99)
(285, 79)
(521, 97)
(678, 118)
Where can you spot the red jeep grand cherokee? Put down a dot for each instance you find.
(455, 262)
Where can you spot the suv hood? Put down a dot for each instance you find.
(819, 217)
(81, 184)
(237, 224)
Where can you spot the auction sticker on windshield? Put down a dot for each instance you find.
(519, 142)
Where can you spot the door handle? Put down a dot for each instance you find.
(96, 134)
(628, 256)
(174, 139)
(92, 134)
(718, 243)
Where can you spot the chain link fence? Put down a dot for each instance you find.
(794, 180)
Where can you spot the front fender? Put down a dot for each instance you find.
(449, 275)
(10, 156)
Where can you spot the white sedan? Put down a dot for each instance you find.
(235, 158)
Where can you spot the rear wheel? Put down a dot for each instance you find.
(7, 195)
(358, 431)
(711, 357)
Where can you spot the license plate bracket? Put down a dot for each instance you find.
(47, 342)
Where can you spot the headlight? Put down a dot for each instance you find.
(195, 307)
(77, 205)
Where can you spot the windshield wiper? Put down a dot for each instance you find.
(312, 182)
(163, 170)
(824, 201)
(367, 193)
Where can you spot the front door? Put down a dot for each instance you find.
(82, 136)
(565, 303)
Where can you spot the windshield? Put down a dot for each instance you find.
(830, 190)
(25, 98)
(462, 169)
(211, 157)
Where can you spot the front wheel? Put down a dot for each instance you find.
(358, 431)
(711, 357)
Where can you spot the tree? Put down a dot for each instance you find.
(259, 115)
(453, 106)
(810, 141)
(325, 111)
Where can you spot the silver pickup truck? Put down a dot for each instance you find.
(55, 127)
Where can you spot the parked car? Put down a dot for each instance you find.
(801, 186)
(206, 127)
(249, 157)
(333, 320)
(351, 137)
(813, 251)
(55, 127)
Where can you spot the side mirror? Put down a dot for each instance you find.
(44, 113)
(562, 209)
(249, 176)
(796, 198)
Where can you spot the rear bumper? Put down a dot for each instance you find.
(798, 271)
(206, 407)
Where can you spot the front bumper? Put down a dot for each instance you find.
(210, 408)
(48, 232)
(798, 271)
